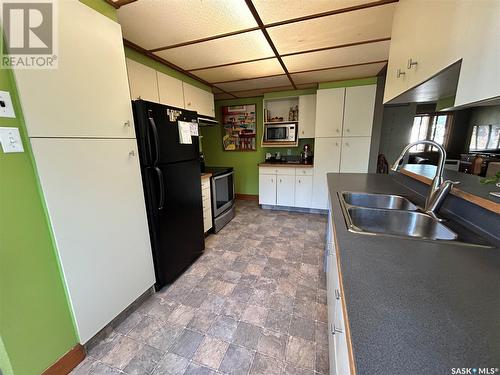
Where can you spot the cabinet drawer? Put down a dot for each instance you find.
(304, 171)
(285, 171)
(268, 170)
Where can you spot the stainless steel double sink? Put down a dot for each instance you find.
(393, 215)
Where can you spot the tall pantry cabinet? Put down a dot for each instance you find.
(80, 123)
(344, 120)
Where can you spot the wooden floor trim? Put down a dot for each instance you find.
(67, 362)
(247, 197)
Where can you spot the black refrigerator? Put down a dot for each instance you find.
(172, 188)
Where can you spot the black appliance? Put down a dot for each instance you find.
(171, 179)
(222, 187)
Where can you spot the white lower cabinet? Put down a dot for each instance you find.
(98, 217)
(337, 339)
(285, 191)
(285, 186)
(303, 191)
(267, 189)
(207, 204)
(355, 154)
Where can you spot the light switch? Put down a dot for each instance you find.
(11, 140)
(6, 108)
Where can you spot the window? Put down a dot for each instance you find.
(433, 127)
(485, 137)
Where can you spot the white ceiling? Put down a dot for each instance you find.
(220, 42)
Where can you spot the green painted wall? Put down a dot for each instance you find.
(244, 162)
(35, 319)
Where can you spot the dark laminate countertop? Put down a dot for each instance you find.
(415, 307)
(284, 164)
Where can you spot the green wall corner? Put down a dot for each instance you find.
(348, 83)
(36, 322)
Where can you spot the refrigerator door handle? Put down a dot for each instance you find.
(156, 139)
(159, 173)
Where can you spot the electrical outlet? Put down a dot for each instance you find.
(11, 140)
(6, 108)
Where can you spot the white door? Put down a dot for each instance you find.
(170, 90)
(355, 154)
(285, 191)
(95, 200)
(199, 100)
(88, 94)
(303, 191)
(358, 111)
(267, 189)
(142, 81)
(307, 115)
(329, 112)
(326, 160)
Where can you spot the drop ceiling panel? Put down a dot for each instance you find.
(258, 83)
(276, 10)
(351, 27)
(215, 90)
(153, 24)
(241, 47)
(259, 92)
(361, 71)
(241, 71)
(338, 57)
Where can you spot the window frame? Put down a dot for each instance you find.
(429, 136)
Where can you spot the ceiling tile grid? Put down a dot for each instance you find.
(223, 43)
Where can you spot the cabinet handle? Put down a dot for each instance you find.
(347, 130)
(337, 130)
(126, 124)
(336, 143)
(347, 143)
(334, 329)
(337, 294)
(131, 153)
(280, 180)
(400, 73)
(411, 63)
(299, 180)
(272, 180)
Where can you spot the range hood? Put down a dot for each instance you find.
(207, 121)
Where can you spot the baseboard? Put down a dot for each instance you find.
(67, 362)
(247, 197)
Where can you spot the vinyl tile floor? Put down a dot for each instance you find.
(253, 303)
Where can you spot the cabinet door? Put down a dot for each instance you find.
(341, 351)
(307, 115)
(303, 191)
(326, 160)
(358, 111)
(98, 217)
(199, 100)
(267, 189)
(88, 94)
(170, 90)
(142, 81)
(329, 112)
(285, 191)
(355, 154)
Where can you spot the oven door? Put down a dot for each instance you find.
(276, 132)
(222, 192)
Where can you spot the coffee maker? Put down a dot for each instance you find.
(306, 155)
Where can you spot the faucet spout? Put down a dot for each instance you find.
(438, 189)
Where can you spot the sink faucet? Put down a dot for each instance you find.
(439, 189)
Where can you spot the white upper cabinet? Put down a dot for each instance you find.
(142, 81)
(170, 90)
(358, 111)
(91, 79)
(199, 100)
(307, 115)
(355, 154)
(435, 35)
(329, 112)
